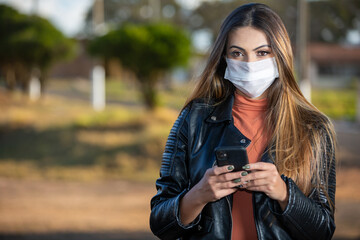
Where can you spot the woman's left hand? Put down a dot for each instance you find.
(264, 177)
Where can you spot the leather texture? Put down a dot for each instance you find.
(189, 152)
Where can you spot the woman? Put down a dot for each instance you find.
(247, 96)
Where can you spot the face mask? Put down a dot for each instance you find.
(252, 78)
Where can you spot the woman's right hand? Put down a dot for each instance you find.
(216, 183)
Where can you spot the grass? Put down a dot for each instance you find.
(61, 137)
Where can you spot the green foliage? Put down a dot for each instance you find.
(47, 44)
(29, 42)
(147, 50)
(11, 23)
(336, 103)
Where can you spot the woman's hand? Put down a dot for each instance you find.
(264, 177)
(216, 183)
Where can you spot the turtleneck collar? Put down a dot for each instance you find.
(245, 103)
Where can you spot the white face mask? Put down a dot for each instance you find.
(252, 78)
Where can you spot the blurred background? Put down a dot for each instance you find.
(89, 90)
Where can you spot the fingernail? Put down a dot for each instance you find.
(231, 167)
(237, 180)
(244, 173)
(247, 166)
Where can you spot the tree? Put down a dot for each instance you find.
(148, 50)
(28, 43)
(329, 20)
(11, 23)
(138, 12)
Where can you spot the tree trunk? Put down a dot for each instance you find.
(43, 75)
(23, 76)
(10, 79)
(148, 93)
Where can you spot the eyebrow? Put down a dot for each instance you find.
(240, 48)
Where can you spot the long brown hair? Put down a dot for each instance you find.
(302, 138)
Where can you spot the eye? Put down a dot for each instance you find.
(236, 54)
(263, 53)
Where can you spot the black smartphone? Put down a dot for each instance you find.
(236, 156)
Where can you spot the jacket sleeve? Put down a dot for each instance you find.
(310, 217)
(172, 184)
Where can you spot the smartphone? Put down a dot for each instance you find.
(236, 156)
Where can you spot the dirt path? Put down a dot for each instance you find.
(70, 210)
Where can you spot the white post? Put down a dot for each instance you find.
(98, 88)
(98, 72)
(34, 89)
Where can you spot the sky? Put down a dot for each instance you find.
(67, 15)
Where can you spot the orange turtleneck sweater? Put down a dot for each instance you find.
(249, 117)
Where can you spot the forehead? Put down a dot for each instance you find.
(247, 38)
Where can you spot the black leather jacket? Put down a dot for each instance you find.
(189, 152)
